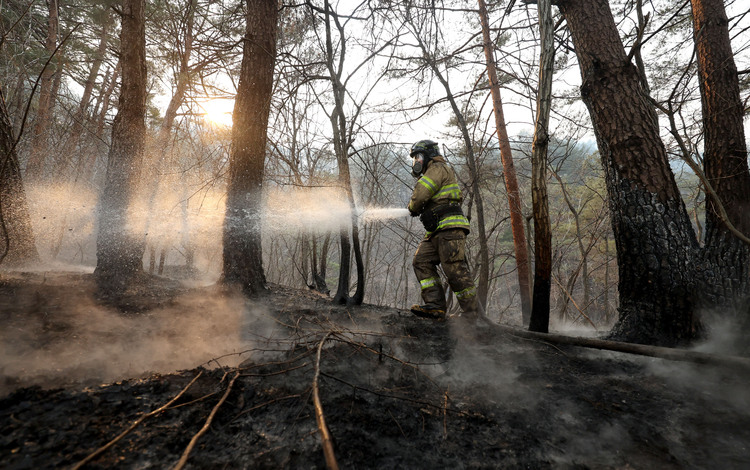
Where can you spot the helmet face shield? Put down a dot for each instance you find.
(423, 152)
(417, 165)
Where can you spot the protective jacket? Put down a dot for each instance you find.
(437, 196)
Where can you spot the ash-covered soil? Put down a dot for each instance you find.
(395, 391)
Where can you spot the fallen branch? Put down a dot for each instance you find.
(319, 417)
(192, 402)
(267, 403)
(280, 372)
(102, 449)
(661, 352)
(206, 425)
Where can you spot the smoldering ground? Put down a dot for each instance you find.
(57, 331)
(396, 391)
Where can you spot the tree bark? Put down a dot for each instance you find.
(656, 246)
(119, 246)
(17, 242)
(726, 259)
(539, 320)
(509, 170)
(243, 260)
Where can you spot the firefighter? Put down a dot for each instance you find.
(436, 199)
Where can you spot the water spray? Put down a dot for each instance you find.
(369, 214)
(319, 210)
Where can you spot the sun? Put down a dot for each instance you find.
(218, 111)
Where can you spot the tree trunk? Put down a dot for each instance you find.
(342, 143)
(188, 246)
(108, 86)
(726, 259)
(119, 247)
(17, 243)
(81, 114)
(154, 179)
(359, 292)
(511, 182)
(92, 150)
(322, 271)
(183, 77)
(539, 320)
(15, 104)
(655, 242)
(152, 259)
(40, 131)
(243, 260)
(78, 159)
(162, 259)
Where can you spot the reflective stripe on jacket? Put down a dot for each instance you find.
(437, 186)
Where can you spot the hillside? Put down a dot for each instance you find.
(395, 391)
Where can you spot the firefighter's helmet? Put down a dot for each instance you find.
(422, 152)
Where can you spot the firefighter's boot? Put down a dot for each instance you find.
(429, 311)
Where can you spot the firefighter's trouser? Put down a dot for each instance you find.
(447, 248)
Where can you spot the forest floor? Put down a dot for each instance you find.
(396, 391)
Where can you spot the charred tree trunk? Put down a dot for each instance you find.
(726, 258)
(243, 260)
(320, 280)
(40, 131)
(17, 243)
(511, 182)
(342, 290)
(345, 260)
(359, 292)
(656, 246)
(119, 248)
(539, 320)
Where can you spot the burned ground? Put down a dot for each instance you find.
(396, 391)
